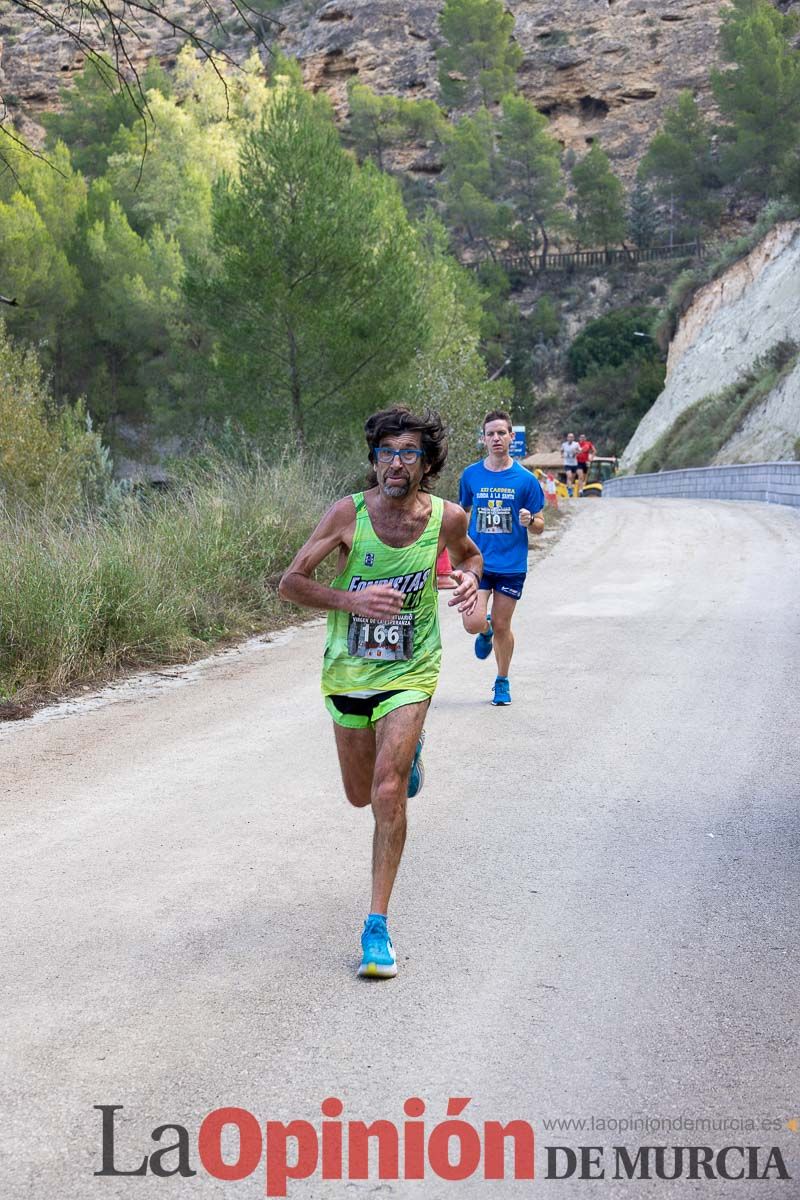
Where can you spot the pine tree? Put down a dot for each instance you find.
(194, 139)
(759, 95)
(478, 60)
(130, 310)
(530, 173)
(469, 186)
(314, 300)
(643, 224)
(680, 163)
(377, 123)
(600, 210)
(41, 206)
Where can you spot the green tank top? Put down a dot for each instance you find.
(367, 654)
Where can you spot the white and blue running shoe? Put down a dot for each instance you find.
(502, 691)
(416, 776)
(483, 642)
(379, 961)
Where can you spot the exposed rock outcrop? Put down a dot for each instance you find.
(602, 69)
(731, 322)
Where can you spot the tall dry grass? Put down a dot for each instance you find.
(157, 579)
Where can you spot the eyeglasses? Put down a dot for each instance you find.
(408, 456)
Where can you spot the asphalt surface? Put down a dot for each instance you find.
(596, 915)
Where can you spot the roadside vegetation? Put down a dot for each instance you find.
(151, 578)
(702, 430)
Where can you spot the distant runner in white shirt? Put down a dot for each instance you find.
(570, 449)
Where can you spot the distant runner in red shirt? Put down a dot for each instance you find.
(584, 457)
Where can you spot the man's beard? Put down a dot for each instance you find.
(396, 491)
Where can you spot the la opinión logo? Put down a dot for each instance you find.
(666, 1162)
(452, 1149)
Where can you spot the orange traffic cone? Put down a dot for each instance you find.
(443, 569)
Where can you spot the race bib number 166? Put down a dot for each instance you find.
(386, 638)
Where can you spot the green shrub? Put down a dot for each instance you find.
(554, 37)
(613, 401)
(544, 322)
(48, 454)
(611, 341)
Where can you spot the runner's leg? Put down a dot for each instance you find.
(476, 621)
(356, 749)
(397, 735)
(502, 612)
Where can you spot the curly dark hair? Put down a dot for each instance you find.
(392, 421)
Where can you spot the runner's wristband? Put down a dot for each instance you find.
(470, 571)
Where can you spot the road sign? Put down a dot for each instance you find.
(519, 446)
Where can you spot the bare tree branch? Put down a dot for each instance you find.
(109, 33)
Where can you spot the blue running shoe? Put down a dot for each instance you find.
(502, 690)
(379, 960)
(416, 776)
(483, 642)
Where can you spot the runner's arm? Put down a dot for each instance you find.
(535, 522)
(531, 516)
(465, 554)
(531, 520)
(335, 530)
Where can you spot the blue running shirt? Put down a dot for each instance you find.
(495, 498)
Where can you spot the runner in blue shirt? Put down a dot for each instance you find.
(505, 501)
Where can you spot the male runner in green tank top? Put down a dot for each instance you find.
(383, 651)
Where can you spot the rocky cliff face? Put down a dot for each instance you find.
(730, 323)
(602, 69)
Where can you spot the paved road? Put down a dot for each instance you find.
(597, 912)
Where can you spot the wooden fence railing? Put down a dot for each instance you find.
(581, 259)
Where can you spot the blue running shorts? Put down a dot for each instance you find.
(506, 585)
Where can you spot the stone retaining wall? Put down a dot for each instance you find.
(775, 483)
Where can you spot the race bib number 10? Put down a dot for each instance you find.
(388, 639)
(496, 519)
